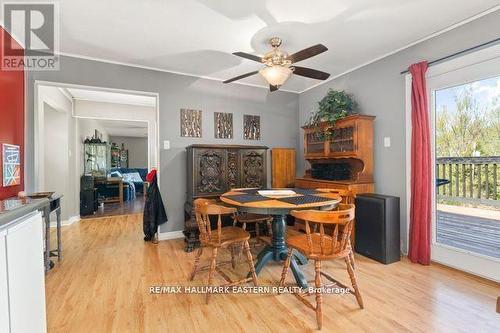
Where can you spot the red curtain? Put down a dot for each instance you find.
(420, 210)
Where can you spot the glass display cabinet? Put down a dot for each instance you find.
(343, 140)
(97, 159)
(315, 143)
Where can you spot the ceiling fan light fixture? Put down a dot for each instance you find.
(276, 75)
(280, 65)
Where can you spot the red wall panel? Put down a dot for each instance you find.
(11, 115)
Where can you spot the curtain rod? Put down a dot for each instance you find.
(454, 55)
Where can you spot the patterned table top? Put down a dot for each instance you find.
(303, 199)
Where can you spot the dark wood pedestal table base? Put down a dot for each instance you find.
(252, 202)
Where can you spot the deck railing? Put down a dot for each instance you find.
(472, 179)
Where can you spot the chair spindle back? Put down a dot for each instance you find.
(200, 221)
(332, 244)
(208, 210)
(347, 195)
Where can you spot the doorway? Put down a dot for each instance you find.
(116, 155)
(112, 137)
(464, 97)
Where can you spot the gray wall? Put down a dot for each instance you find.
(379, 88)
(60, 177)
(56, 159)
(137, 150)
(87, 127)
(278, 111)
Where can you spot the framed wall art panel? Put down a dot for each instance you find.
(191, 123)
(251, 127)
(223, 125)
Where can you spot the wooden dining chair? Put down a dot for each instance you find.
(254, 219)
(222, 237)
(257, 220)
(321, 246)
(348, 197)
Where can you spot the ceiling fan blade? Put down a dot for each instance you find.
(308, 53)
(311, 73)
(240, 77)
(248, 56)
(273, 88)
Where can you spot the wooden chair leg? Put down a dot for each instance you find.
(199, 252)
(351, 258)
(211, 272)
(354, 283)
(319, 295)
(285, 267)
(233, 257)
(250, 263)
(242, 248)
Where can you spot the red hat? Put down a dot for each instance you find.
(151, 175)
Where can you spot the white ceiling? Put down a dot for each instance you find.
(111, 97)
(116, 127)
(124, 128)
(198, 36)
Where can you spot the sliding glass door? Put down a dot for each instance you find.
(465, 111)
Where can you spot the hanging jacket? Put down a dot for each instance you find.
(154, 211)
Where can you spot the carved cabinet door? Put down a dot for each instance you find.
(210, 172)
(233, 169)
(253, 168)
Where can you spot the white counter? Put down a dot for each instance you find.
(22, 277)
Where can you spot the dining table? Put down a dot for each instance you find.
(279, 206)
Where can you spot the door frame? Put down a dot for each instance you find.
(38, 135)
(457, 71)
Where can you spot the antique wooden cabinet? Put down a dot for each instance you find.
(215, 169)
(283, 167)
(343, 159)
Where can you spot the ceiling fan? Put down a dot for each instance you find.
(279, 65)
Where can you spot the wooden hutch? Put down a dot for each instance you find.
(343, 159)
(215, 169)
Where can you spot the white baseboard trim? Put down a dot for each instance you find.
(170, 235)
(67, 222)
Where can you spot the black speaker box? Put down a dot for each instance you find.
(88, 202)
(377, 227)
(86, 183)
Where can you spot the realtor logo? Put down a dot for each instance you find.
(36, 27)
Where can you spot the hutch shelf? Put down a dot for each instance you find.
(341, 156)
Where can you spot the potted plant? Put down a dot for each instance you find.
(334, 106)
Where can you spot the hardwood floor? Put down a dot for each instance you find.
(102, 285)
(114, 209)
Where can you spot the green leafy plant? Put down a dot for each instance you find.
(334, 106)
